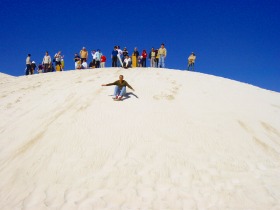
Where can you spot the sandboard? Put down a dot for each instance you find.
(57, 68)
(78, 65)
(117, 99)
(62, 64)
(120, 59)
(134, 63)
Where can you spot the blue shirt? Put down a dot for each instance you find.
(114, 53)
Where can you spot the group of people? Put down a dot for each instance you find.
(98, 59)
(120, 58)
(46, 65)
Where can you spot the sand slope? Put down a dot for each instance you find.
(182, 140)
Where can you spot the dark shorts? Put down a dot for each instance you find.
(47, 67)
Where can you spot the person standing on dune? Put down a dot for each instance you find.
(191, 61)
(162, 52)
(28, 65)
(120, 88)
(114, 57)
(84, 55)
(47, 61)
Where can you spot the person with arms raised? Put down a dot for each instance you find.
(120, 88)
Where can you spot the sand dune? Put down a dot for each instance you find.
(182, 140)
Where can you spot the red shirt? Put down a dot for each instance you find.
(144, 54)
(103, 58)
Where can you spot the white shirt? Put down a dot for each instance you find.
(97, 56)
(126, 60)
(47, 59)
(84, 64)
(28, 60)
(119, 52)
(57, 57)
(93, 55)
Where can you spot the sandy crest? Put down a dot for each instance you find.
(182, 140)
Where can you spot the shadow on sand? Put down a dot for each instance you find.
(128, 95)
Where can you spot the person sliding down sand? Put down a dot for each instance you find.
(120, 88)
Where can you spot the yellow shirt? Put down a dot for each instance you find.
(162, 51)
(84, 54)
(191, 58)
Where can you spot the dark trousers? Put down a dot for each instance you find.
(191, 66)
(28, 69)
(46, 67)
(114, 61)
(58, 63)
(83, 59)
(156, 62)
(97, 64)
(143, 62)
(127, 65)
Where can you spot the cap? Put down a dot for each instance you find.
(33, 61)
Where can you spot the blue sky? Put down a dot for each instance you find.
(238, 39)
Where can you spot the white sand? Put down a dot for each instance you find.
(184, 140)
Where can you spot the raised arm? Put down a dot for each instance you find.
(129, 86)
(109, 84)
